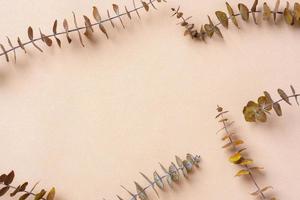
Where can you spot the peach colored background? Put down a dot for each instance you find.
(89, 119)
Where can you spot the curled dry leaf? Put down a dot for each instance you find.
(45, 39)
(54, 29)
(145, 5)
(117, 11)
(66, 27)
(5, 53)
(11, 46)
(76, 26)
(88, 27)
(232, 15)
(266, 11)
(30, 36)
(97, 17)
(253, 11)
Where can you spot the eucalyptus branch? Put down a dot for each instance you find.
(88, 26)
(257, 111)
(238, 158)
(171, 175)
(7, 179)
(291, 17)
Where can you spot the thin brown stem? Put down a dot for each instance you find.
(76, 29)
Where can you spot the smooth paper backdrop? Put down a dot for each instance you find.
(89, 119)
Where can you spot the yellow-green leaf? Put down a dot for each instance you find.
(288, 15)
(266, 12)
(51, 194)
(244, 11)
(40, 195)
(235, 158)
(222, 17)
(232, 15)
(297, 11)
(242, 172)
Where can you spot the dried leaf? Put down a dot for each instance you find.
(40, 195)
(96, 14)
(266, 11)
(209, 30)
(268, 96)
(150, 182)
(297, 11)
(253, 11)
(180, 165)
(15, 191)
(244, 11)
(169, 180)
(116, 9)
(262, 190)
(9, 178)
(235, 158)
(23, 186)
(276, 10)
(120, 198)
(88, 27)
(294, 93)
(136, 10)
(54, 29)
(51, 194)
(12, 47)
(232, 15)
(284, 96)
(21, 45)
(5, 53)
(141, 192)
(2, 178)
(110, 19)
(242, 172)
(246, 162)
(30, 36)
(24, 196)
(131, 194)
(145, 5)
(288, 15)
(4, 190)
(127, 12)
(66, 27)
(152, 4)
(76, 26)
(173, 171)
(256, 168)
(158, 180)
(45, 39)
(222, 17)
(188, 165)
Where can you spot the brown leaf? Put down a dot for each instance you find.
(45, 38)
(2, 178)
(4, 190)
(96, 14)
(253, 10)
(288, 15)
(141, 192)
(76, 26)
(5, 53)
(297, 11)
(244, 11)
(23, 186)
(12, 47)
(127, 12)
(30, 36)
(88, 27)
(54, 29)
(277, 109)
(232, 15)
(15, 191)
(284, 96)
(24, 196)
(21, 45)
(294, 93)
(51, 194)
(111, 22)
(66, 27)
(222, 17)
(266, 11)
(116, 9)
(145, 5)
(40, 195)
(136, 10)
(9, 178)
(209, 30)
(276, 10)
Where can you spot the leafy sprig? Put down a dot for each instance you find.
(257, 111)
(239, 157)
(291, 17)
(21, 190)
(88, 27)
(171, 175)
